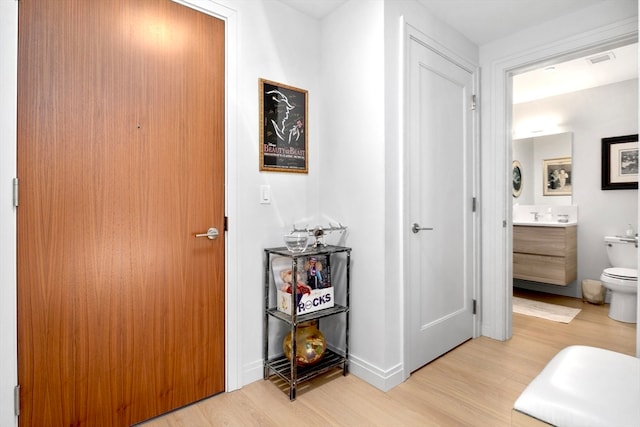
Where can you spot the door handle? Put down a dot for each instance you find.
(416, 228)
(211, 234)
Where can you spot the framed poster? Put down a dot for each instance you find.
(283, 128)
(620, 162)
(556, 177)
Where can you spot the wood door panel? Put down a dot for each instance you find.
(121, 163)
(554, 241)
(542, 268)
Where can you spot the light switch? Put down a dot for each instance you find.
(265, 194)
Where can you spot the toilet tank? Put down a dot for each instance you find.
(622, 251)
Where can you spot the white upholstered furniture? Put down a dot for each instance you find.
(582, 386)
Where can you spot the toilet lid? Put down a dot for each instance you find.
(621, 273)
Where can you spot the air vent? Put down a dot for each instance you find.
(602, 57)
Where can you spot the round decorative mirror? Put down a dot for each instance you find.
(517, 178)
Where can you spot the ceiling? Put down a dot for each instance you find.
(483, 21)
(611, 66)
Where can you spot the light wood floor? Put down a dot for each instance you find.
(472, 385)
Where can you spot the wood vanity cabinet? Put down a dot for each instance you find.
(545, 254)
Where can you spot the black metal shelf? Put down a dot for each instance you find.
(336, 309)
(310, 251)
(287, 369)
(281, 366)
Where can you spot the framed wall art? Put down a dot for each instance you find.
(556, 177)
(517, 178)
(620, 162)
(283, 128)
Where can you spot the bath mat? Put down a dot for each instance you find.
(557, 313)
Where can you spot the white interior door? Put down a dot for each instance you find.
(439, 205)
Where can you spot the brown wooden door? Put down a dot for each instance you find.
(121, 163)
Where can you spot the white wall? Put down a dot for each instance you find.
(591, 115)
(277, 43)
(577, 33)
(353, 170)
(8, 92)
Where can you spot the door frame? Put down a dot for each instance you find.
(497, 209)
(412, 33)
(8, 214)
(8, 225)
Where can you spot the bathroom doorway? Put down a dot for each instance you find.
(542, 103)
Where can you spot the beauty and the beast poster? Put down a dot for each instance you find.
(283, 132)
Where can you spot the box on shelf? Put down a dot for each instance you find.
(318, 299)
(313, 284)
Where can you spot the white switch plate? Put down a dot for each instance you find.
(265, 194)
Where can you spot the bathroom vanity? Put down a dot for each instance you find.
(545, 252)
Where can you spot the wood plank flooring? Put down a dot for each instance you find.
(473, 385)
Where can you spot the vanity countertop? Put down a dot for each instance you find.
(545, 215)
(546, 223)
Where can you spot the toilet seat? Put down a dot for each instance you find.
(620, 279)
(627, 274)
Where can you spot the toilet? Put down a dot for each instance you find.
(622, 278)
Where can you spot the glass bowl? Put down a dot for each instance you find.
(296, 242)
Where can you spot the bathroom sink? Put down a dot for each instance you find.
(545, 215)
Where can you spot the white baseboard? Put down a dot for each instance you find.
(252, 372)
(382, 379)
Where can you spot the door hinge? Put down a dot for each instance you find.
(474, 306)
(16, 400)
(473, 205)
(226, 224)
(15, 192)
(474, 101)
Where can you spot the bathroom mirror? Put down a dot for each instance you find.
(536, 158)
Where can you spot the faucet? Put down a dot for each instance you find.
(536, 215)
